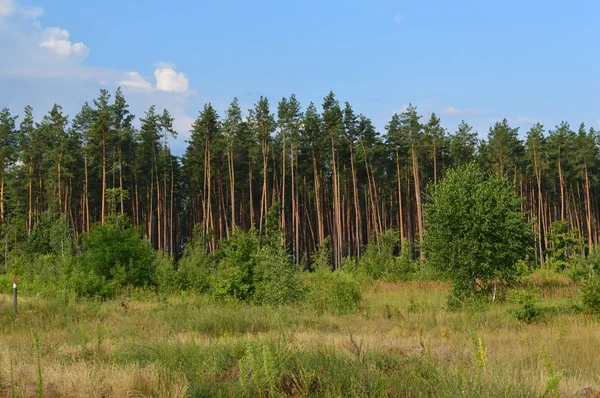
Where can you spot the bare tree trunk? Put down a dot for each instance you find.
(263, 197)
(231, 186)
(251, 195)
(400, 210)
(30, 211)
(357, 211)
(103, 199)
(415, 163)
(283, 172)
(588, 204)
(320, 229)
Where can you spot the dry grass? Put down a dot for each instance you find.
(191, 346)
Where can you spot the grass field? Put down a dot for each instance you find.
(402, 342)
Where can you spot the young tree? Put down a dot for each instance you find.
(475, 231)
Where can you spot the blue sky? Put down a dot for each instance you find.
(480, 61)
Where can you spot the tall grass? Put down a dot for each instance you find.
(401, 341)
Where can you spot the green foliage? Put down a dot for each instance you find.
(554, 377)
(338, 292)
(236, 266)
(322, 256)
(474, 231)
(590, 293)
(259, 370)
(380, 262)
(115, 251)
(565, 243)
(277, 280)
(527, 310)
(196, 268)
(166, 274)
(50, 235)
(253, 270)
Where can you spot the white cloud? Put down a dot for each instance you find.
(452, 111)
(48, 65)
(57, 40)
(167, 79)
(7, 7)
(134, 79)
(398, 18)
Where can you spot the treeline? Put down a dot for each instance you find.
(334, 177)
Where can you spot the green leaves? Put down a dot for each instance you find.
(474, 230)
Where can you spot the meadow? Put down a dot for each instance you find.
(402, 341)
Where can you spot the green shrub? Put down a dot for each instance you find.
(380, 262)
(196, 268)
(590, 293)
(322, 256)
(92, 285)
(255, 270)
(333, 291)
(51, 235)
(565, 243)
(276, 278)
(166, 274)
(236, 266)
(527, 310)
(578, 267)
(115, 251)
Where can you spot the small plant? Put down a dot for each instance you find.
(480, 353)
(333, 291)
(38, 358)
(527, 310)
(380, 262)
(590, 293)
(554, 377)
(258, 370)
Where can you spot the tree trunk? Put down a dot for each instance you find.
(400, 210)
(415, 163)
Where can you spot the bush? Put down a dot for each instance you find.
(276, 278)
(527, 310)
(51, 235)
(333, 291)
(255, 270)
(115, 251)
(166, 274)
(565, 243)
(196, 268)
(379, 261)
(590, 293)
(236, 265)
